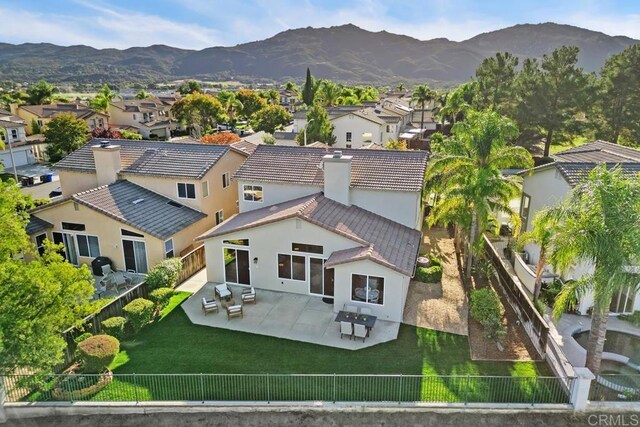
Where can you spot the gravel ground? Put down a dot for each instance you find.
(439, 306)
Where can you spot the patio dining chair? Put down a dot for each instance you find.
(346, 328)
(365, 310)
(350, 308)
(359, 331)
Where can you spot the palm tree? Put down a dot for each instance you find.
(422, 94)
(329, 92)
(231, 104)
(103, 98)
(440, 101)
(468, 175)
(455, 105)
(143, 94)
(544, 228)
(600, 226)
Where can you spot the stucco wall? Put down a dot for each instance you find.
(74, 182)
(546, 188)
(357, 126)
(399, 206)
(267, 241)
(273, 193)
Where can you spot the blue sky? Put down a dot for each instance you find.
(196, 24)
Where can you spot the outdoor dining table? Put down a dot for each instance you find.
(368, 320)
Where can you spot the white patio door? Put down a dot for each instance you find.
(236, 266)
(320, 278)
(622, 301)
(135, 255)
(70, 248)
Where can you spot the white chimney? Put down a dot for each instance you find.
(107, 160)
(337, 177)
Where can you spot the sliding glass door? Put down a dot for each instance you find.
(236, 266)
(69, 243)
(320, 278)
(135, 255)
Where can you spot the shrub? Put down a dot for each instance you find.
(82, 337)
(164, 274)
(114, 326)
(484, 268)
(97, 352)
(431, 274)
(549, 292)
(161, 297)
(139, 313)
(486, 308)
(633, 318)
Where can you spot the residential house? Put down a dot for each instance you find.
(138, 202)
(149, 117)
(549, 184)
(289, 100)
(344, 225)
(42, 114)
(17, 148)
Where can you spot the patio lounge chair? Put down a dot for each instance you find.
(346, 328)
(234, 311)
(359, 331)
(223, 292)
(209, 305)
(249, 295)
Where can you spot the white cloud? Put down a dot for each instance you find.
(612, 24)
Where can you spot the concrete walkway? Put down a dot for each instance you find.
(284, 315)
(440, 306)
(563, 330)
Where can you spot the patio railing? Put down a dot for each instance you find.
(463, 389)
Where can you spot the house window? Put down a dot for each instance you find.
(88, 246)
(73, 226)
(303, 247)
(186, 190)
(205, 189)
(40, 238)
(39, 122)
(238, 242)
(348, 145)
(134, 117)
(219, 216)
(348, 136)
(14, 133)
(225, 180)
(388, 129)
(369, 289)
(292, 267)
(524, 210)
(101, 122)
(131, 233)
(168, 248)
(252, 193)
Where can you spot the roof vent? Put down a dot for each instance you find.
(136, 201)
(337, 154)
(105, 144)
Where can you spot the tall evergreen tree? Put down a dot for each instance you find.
(495, 77)
(309, 89)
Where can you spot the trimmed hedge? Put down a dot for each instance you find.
(161, 297)
(432, 274)
(114, 326)
(164, 274)
(82, 337)
(97, 352)
(485, 307)
(139, 313)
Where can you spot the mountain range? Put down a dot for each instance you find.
(344, 53)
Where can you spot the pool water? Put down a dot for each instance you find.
(619, 373)
(616, 342)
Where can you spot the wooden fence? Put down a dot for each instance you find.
(192, 262)
(533, 323)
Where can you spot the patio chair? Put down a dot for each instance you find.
(346, 328)
(359, 331)
(223, 292)
(249, 295)
(106, 270)
(234, 311)
(350, 308)
(365, 310)
(209, 305)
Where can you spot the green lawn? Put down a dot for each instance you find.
(578, 140)
(435, 367)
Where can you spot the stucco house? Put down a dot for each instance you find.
(344, 225)
(42, 114)
(149, 117)
(15, 139)
(138, 202)
(549, 184)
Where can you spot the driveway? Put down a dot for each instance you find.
(440, 306)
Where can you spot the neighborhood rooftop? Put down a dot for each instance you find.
(136, 206)
(381, 240)
(166, 159)
(575, 163)
(373, 169)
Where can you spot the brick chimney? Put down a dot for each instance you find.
(107, 159)
(337, 177)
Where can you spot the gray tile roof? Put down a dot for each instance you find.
(168, 159)
(575, 163)
(151, 213)
(379, 239)
(244, 146)
(374, 169)
(37, 225)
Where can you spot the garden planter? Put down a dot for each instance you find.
(67, 386)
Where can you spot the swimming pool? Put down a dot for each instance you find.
(616, 342)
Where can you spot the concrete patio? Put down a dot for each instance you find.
(283, 315)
